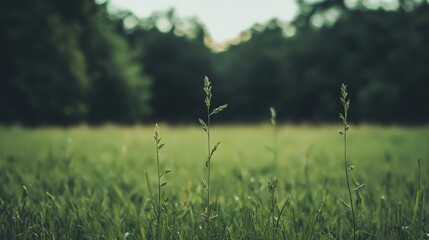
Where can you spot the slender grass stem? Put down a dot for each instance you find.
(158, 219)
(206, 127)
(346, 104)
(158, 146)
(272, 185)
(208, 162)
(348, 183)
(316, 216)
(280, 213)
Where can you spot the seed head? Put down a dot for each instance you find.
(346, 104)
(273, 115)
(208, 90)
(272, 184)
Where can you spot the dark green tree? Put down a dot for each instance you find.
(176, 58)
(57, 57)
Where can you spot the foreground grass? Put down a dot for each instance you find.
(100, 183)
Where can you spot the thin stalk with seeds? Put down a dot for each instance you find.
(158, 146)
(272, 185)
(275, 224)
(346, 104)
(210, 151)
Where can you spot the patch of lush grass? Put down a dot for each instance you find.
(91, 183)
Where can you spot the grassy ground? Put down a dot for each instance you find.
(101, 183)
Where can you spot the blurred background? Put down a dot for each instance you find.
(72, 62)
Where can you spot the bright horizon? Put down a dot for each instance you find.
(223, 19)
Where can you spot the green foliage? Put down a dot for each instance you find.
(119, 92)
(76, 183)
(369, 48)
(67, 63)
(316, 217)
(366, 47)
(175, 59)
(63, 63)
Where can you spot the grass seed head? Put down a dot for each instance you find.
(208, 90)
(346, 104)
(273, 115)
(272, 184)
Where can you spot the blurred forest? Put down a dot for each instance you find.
(67, 62)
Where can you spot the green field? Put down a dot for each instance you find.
(101, 183)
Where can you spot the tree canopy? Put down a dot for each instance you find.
(66, 63)
(62, 62)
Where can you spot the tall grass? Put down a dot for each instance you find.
(160, 206)
(316, 217)
(207, 215)
(96, 192)
(343, 116)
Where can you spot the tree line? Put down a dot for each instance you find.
(66, 63)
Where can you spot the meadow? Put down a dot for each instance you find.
(101, 182)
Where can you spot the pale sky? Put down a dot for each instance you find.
(224, 19)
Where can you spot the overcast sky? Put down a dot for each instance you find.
(224, 19)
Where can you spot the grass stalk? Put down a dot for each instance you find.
(280, 213)
(273, 148)
(316, 216)
(418, 205)
(208, 162)
(159, 145)
(346, 104)
(207, 216)
(272, 185)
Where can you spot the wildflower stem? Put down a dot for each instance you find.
(159, 188)
(207, 217)
(208, 162)
(346, 104)
(158, 208)
(348, 183)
